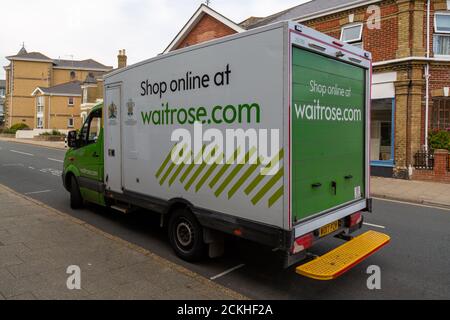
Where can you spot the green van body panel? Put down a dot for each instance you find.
(327, 153)
(88, 164)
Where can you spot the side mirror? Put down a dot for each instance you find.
(72, 139)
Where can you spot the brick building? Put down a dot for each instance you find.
(410, 43)
(41, 92)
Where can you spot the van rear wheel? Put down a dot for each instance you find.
(76, 200)
(186, 235)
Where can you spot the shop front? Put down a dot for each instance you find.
(382, 125)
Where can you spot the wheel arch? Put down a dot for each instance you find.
(173, 205)
(71, 171)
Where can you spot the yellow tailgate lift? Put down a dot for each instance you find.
(336, 262)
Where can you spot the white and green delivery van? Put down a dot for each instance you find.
(262, 135)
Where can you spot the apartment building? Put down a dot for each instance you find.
(2, 101)
(44, 92)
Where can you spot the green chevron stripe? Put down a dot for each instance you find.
(192, 165)
(260, 177)
(225, 168)
(276, 196)
(267, 186)
(173, 164)
(180, 168)
(208, 173)
(164, 164)
(200, 169)
(243, 179)
(235, 171)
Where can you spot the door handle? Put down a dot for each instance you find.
(95, 155)
(334, 186)
(348, 177)
(316, 185)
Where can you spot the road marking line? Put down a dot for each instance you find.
(32, 168)
(227, 272)
(55, 160)
(36, 192)
(24, 153)
(374, 225)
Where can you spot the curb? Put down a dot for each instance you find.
(413, 201)
(232, 294)
(31, 144)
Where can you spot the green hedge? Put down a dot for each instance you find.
(14, 128)
(439, 139)
(54, 132)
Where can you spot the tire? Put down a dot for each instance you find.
(76, 200)
(186, 235)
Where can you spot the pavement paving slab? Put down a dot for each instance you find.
(420, 192)
(39, 243)
(47, 144)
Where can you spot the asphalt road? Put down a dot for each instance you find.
(415, 265)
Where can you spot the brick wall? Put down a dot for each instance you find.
(374, 40)
(440, 171)
(208, 28)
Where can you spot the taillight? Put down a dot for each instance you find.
(302, 243)
(354, 219)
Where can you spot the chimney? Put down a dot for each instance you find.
(121, 59)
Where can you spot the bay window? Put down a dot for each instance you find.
(441, 40)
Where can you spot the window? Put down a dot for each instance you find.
(83, 117)
(71, 101)
(40, 101)
(2, 92)
(381, 132)
(73, 75)
(91, 129)
(441, 114)
(441, 41)
(70, 123)
(85, 95)
(40, 104)
(39, 122)
(352, 34)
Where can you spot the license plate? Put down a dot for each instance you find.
(329, 228)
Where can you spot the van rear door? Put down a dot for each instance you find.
(328, 133)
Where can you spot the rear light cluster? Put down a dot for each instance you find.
(302, 243)
(354, 220)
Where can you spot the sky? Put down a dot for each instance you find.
(97, 29)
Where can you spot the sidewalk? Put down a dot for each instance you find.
(428, 193)
(48, 144)
(38, 244)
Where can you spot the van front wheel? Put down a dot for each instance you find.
(76, 200)
(186, 235)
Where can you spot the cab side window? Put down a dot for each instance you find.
(94, 128)
(91, 129)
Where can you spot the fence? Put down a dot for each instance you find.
(424, 160)
(432, 166)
